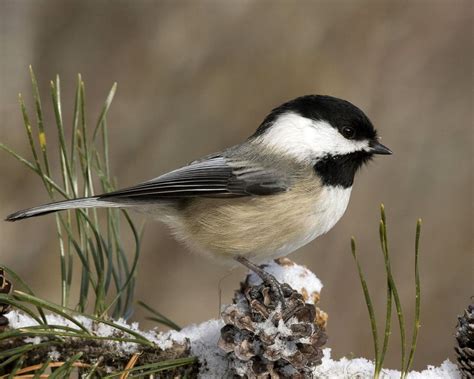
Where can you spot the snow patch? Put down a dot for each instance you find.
(54, 355)
(363, 368)
(203, 339)
(298, 277)
(33, 340)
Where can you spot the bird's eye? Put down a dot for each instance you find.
(348, 132)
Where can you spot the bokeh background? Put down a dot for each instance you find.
(197, 76)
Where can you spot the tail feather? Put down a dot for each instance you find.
(85, 202)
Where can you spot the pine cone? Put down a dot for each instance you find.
(266, 340)
(5, 288)
(465, 339)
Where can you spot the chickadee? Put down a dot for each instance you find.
(287, 184)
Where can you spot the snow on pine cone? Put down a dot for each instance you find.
(465, 340)
(264, 339)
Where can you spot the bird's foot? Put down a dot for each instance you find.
(275, 286)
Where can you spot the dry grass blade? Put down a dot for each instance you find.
(39, 372)
(50, 365)
(131, 363)
(66, 368)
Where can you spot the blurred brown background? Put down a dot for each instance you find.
(197, 76)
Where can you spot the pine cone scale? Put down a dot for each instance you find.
(465, 340)
(267, 340)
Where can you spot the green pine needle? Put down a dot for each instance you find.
(392, 293)
(90, 246)
(159, 317)
(368, 301)
(101, 256)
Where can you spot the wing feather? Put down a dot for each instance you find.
(216, 176)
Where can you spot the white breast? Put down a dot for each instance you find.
(330, 207)
(328, 210)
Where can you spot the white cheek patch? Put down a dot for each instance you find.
(306, 139)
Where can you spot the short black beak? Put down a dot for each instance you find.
(377, 148)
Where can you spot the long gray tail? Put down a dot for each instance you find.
(85, 202)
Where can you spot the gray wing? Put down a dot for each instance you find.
(215, 176)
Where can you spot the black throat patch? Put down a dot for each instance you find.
(339, 170)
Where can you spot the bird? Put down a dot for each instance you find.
(287, 184)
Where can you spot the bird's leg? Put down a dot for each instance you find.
(267, 278)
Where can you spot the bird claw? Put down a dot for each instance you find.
(275, 286)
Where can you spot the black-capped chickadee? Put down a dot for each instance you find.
(287, 184)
